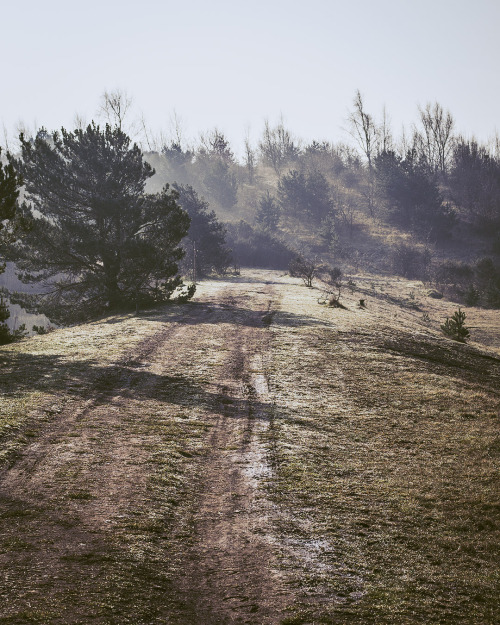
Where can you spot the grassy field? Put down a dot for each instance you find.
(351, 469)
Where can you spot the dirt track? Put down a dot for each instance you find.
(90, 471)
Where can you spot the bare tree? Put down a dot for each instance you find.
(345, 207)
(176, 128)
(437, 138)
(215, 144)
(249, 157)
(332, 283)
(114, 107)
(277, 146)
(304, 268)
(385, 140)
(147, 134)
(5, 133)
(363, 129)
(79, 121)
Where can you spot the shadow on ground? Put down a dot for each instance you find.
(195, 313)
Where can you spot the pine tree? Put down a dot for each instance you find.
(205, 243)
(9, 193)
(268, 213)
(4, 328)
(455, 328)
(97, 239)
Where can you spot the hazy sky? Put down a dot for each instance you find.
(232, 64)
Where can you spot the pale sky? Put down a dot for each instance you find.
(233, 64)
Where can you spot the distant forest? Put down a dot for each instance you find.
(425, 204)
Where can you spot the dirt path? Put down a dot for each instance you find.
(233, 570)
(118, 513)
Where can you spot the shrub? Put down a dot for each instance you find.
(7, 335)
(332, 279)
(256, 248)
(304, 268)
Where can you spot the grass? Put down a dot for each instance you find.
(386, 455)
(116, 568)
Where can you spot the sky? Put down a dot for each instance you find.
(233, 64)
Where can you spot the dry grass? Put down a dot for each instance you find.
(386, 448)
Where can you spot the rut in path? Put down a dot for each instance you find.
(231, 569)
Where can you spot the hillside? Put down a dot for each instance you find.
(254, 457)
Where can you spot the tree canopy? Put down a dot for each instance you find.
(9, 194)
(97, 239)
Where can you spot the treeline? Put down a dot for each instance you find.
(431, 184)
(426, 180)
(106, 223)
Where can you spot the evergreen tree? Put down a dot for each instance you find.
(215, 159)
(454, 327)
(206, 238)
(411, 196)
(305, 195)
(9, 193)
(6, 335)
(268, 213)
(96, 238)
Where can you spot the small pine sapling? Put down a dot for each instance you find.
(454, 327)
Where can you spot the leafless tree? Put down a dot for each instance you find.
(345, 207)
(114, 107)
(214, 143)
(333, 284)
(363, 129)
(304, 268)
(385, 140)
(437, 137)
(147, 134)
(249, 157)
(79, 122)
(176, 129)
(277, 146)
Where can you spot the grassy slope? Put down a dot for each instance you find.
(384, 443)
(386, 449)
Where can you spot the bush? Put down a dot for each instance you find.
(268, 213)
(305, 195)
(475, 285)
(305, 269)
(333, 285)
(256, 248)
(7, 335)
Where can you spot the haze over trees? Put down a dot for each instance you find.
(101, 238)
